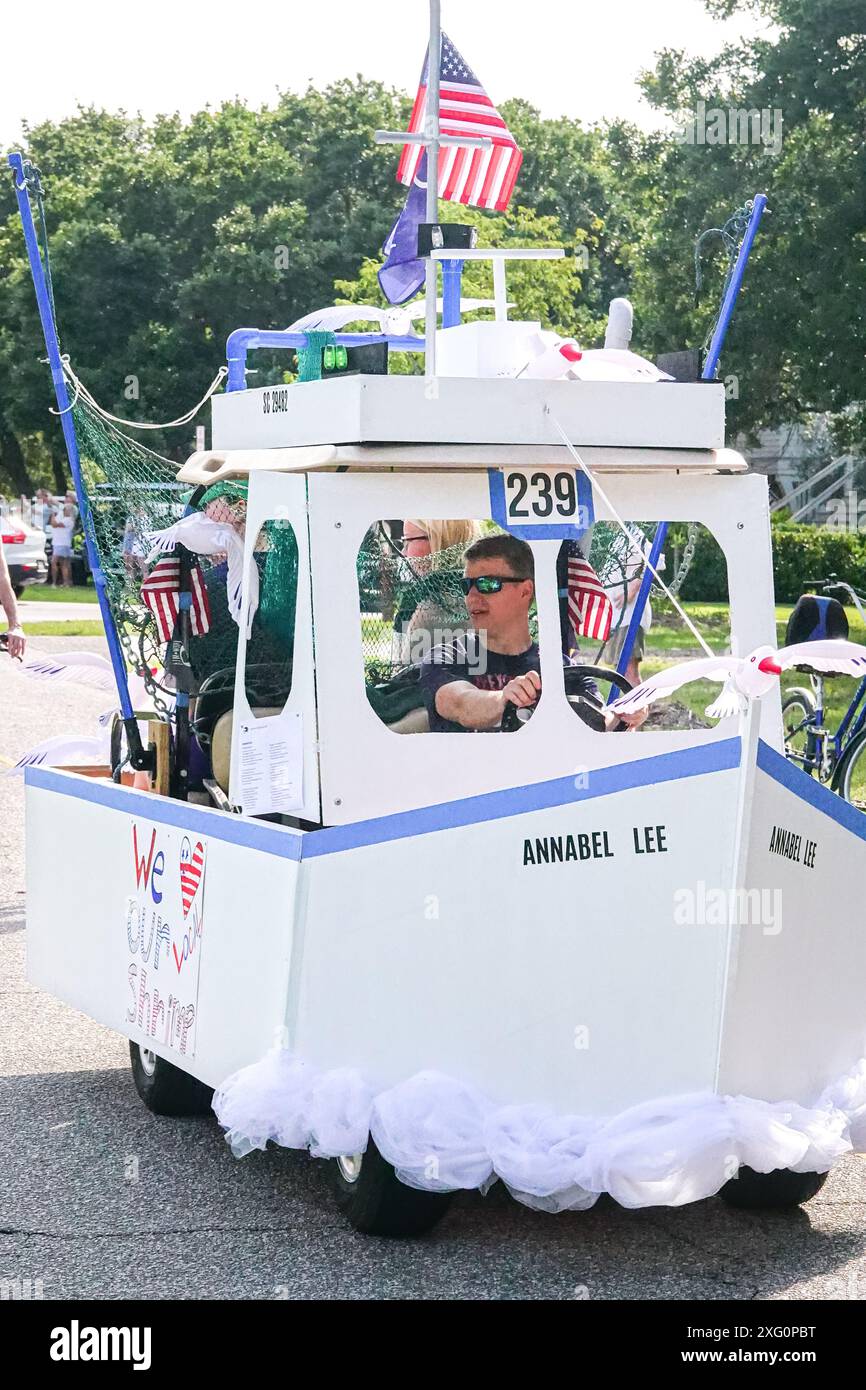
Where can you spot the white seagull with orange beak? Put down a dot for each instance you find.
(745, 677)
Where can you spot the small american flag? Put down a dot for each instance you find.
(589, 608)
(483, 178)
(161, 594)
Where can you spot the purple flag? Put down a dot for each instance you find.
(402, 275)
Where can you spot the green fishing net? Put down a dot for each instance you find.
(407, 606)
(131, 492)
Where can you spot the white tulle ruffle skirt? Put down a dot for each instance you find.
(441, 1135)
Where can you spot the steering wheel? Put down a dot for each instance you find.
(589, 708)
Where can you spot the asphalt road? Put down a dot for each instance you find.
(100, 1199)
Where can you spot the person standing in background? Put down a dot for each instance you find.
(62, 526)
(15, 636)
(623, 608)
(43, 510)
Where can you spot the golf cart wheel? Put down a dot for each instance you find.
(779, 1188)
(377, 1203)
(166, 1090)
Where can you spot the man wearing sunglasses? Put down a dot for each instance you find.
(467, 689)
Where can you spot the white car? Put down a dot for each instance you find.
(24, 548)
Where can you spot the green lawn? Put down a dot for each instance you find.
(669, 632)
(47, 593)
(84, 627)
(669, 640)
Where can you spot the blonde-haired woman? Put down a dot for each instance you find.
(433, 602)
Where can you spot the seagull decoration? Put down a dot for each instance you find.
(66, 750)
(396, 322)
(94, 670)
(616, 364)
(88, 669)
(745, 678)
(77, 668)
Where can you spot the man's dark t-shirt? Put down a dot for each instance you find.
(484, 669)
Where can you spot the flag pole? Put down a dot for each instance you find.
(434, 62)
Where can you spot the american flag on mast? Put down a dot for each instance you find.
(482, 178)
(590, 610)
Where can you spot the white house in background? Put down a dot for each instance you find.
(804, 473)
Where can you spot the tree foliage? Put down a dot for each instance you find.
(799, 337)
(166, 235)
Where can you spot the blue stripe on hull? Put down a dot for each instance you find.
(540, 796)
(287, 843)
(788, 775)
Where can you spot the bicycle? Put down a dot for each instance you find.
(838, 759)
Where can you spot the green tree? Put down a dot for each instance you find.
(166, 236)
(798, 340)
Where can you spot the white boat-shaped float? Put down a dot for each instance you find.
(579, 961)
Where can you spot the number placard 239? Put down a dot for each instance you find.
(541, 503)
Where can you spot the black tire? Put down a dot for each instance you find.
(165, 1089)
(849, 779)
(377, 1203)
(18, 590)
(780, 1188)
(800, 747)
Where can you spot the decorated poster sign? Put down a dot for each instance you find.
(164, 926)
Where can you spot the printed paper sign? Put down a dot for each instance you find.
(272, 764)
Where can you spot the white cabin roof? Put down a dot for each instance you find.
(641, 418)
(211, 466)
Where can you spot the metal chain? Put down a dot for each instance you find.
(137, 661)
(151, 684)
(686, 562)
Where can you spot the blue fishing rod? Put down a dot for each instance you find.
(27, 179)
(733, 286)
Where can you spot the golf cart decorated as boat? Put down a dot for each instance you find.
(574, 957)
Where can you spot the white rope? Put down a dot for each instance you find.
(66, 409)
(619, 521)
(82, 392)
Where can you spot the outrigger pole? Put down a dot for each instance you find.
(710, 367)
(27, 177)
